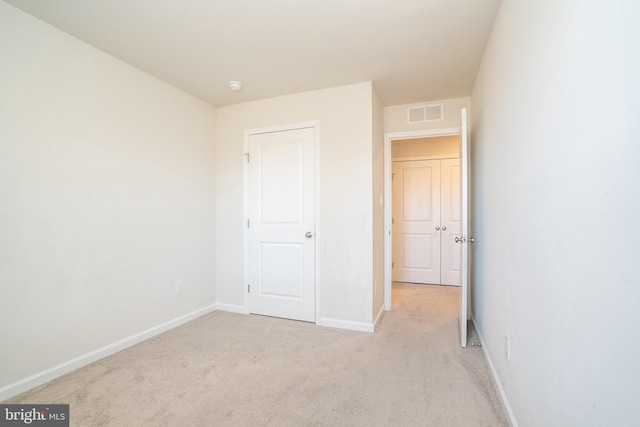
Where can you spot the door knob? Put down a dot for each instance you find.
(437, 228)
(444, 227)
(308, 235)
(464, 239)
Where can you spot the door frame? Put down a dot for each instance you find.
(388, 140)
(315, 125)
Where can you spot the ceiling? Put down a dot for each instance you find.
(413, 50)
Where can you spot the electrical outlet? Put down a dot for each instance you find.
(507, 346)
(178, 286)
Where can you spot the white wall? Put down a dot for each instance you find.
(346, 248)
(555, 154)
(107, 181)
(395, 117)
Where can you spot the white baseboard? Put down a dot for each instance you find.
(346, 324)
(505, 401)
(35, 380)
(232, 308)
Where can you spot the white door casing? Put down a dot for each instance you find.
(416, 221)
(281, 224)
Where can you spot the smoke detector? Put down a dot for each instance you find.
(235, 85)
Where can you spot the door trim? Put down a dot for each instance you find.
(315, 125)
(388, 139)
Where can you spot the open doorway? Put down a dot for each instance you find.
(416, 160)
(464, 239)
(426, 214)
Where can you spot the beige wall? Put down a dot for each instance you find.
(436, 146)
(107, 181)
(346, 220)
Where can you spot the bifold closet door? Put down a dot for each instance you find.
(426, 221)
(450, 210)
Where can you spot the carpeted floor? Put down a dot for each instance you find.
(227, 369)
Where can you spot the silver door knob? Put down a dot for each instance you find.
(308, 235)
(471, 240)
(458, 239)
(444, 227)
(437, 228)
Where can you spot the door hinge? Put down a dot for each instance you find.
(247, 154)
(393, 176)
(393, 264)
(248, 288)
(393, 221)
(248, 223)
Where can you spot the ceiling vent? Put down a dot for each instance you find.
(424, 113)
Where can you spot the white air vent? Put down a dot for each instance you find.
(424, 113)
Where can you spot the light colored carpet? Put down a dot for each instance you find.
(227, 369)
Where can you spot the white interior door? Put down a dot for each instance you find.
(281, 234)
(464, 239)
(450, 211)
(416, 221)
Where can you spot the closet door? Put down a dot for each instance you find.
(450, 221)
(416, 221)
